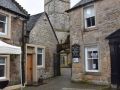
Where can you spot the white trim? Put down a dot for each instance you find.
(43, 58)
(35, 67)
(7, 67)
(91, 48)
(6, 25)
(85, 22)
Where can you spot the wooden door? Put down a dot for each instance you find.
(29, 68)
(115, 63)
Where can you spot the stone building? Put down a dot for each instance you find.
(40, 48)
(12, 22)
(61, 24)
(92, 21)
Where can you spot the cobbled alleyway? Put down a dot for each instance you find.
(63, 83)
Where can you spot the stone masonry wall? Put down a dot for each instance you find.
(58, 17)
(16, 40)
(43, 35)
(107, 21)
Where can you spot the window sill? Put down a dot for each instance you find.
(38, 67)
(5, 36)
(3, 78)
(93, 73)
(93, 28)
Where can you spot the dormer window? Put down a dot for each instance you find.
(89, 16)
(3, 24)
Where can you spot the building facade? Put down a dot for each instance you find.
(91, 22)
(12, 21)
(40, 48)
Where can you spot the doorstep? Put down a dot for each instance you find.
(13, 87)
(76, 89)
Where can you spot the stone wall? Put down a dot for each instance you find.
(16, 40)
(107, 21)
(42, 35)
(58, 17)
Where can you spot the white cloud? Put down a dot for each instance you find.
(37, 6)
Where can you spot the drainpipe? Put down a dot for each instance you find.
(24, 27)
(23, 52)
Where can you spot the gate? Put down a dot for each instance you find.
(115, 63)
(57, 65)
(114, 42)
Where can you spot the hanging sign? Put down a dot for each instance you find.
(75, 52)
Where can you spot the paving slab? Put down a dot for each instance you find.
(64, 83)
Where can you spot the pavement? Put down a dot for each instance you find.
(64, 83)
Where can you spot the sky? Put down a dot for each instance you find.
(37, 6)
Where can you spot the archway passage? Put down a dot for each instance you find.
(114, 42)
(62, 62)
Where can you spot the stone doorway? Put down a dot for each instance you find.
(29, 69)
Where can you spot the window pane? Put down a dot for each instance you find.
(89, 54)
(39, 50)
(2, 70)
(2, 27)
(93, 21)
(88, 22)
(92, 59)
(2, 60)
(3, 18)
(90, 63)
(95, 64)
(89, 11)
(39, 61)
(95, 54)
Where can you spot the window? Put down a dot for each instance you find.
(89, 15)
(2, 67)
(3, 24)
(40, 57)
(92, 59)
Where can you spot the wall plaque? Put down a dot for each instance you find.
(75, 51)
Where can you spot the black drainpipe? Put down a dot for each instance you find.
(24, 24)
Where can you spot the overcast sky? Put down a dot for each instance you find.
(37, 6)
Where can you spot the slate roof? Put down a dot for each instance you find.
(13, 6)
(114, 35)
(32, 21)
(81, 3)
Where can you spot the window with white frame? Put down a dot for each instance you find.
(2, 67)
(89, 16)
(92, 59)
(40, 57)
(3, 24)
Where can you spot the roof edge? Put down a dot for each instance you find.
(36, 20)
(73, 8)
(22, 15)
(20, 7)
(52, 27)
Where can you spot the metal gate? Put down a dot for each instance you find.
(57, 65)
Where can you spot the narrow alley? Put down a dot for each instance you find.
(64, 83)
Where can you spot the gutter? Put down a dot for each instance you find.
(16, 13)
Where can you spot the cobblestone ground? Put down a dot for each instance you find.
(63, 83)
